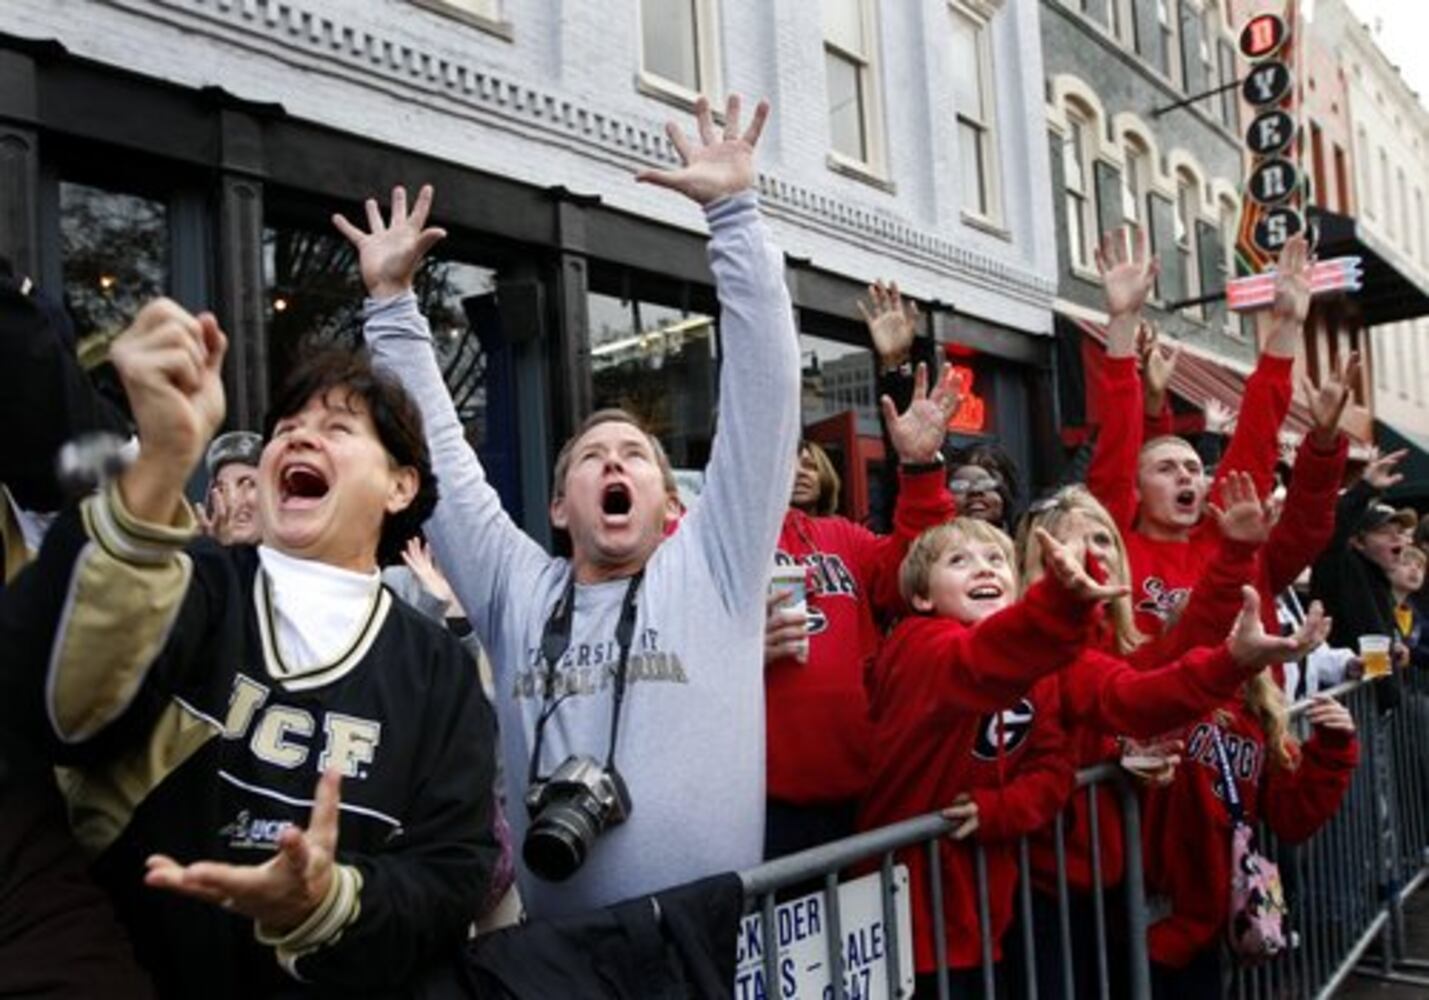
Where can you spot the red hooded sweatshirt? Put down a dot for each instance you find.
(954, 709)
(1188, 830)
(1103, 695)
(1165, 572)
(816, 713)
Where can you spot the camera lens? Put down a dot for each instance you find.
(558, 840)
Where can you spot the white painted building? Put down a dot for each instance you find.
(908, 141)
(1391, 173)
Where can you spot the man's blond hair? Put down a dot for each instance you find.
(923, 554)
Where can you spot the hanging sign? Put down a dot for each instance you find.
(1262, 36)
(1272, 181)
(1270, 133)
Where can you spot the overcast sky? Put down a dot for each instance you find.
(1404, 28)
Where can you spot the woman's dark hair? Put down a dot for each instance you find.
(394, 415)
(1003, 469)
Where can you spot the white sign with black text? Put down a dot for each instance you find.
(802, 934)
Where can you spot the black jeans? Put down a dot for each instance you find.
(1047, 941)
(963, 984)
(790, 828)
(1202, 979)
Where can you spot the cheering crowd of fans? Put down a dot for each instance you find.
(240, 757)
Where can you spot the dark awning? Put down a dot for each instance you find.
(1391, 293)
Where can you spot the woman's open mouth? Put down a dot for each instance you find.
(301, 486)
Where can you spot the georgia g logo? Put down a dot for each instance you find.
(1012, 724)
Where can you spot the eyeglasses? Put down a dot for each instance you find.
(965, 486)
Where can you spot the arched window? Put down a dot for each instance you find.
(1080, 184)
(1135, 177)
(1187, 197)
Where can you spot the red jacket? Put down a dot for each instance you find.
(954, 709)
(1188, 831)
(816, 713)
(1101, 696)
(1164, 572)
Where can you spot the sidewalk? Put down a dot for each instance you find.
(1416, 923)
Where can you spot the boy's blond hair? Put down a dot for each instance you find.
(923, 554)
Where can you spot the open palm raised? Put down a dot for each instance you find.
(722, 163)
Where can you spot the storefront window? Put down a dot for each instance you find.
(115, 256)
(314, 295)
(661, 364)
(837, 377)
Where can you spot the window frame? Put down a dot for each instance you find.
(1188, 189)
(1168, 37)
(493, 23)
(872, 167)
(1230, 232)
(708, 60)
(988, 158)
(1083, 123)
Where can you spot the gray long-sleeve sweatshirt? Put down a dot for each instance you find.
(691, 744)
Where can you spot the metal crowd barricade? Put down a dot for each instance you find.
(1346, 886)
(763, 884)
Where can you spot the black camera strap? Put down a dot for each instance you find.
(556, 639)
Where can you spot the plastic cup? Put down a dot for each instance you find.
(792, 580)
(1374, 654)
(1147, 756)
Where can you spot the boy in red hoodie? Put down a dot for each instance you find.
(964, 711)
(1157, 492)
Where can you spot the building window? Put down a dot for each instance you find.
(849, 75)
(1386, 195)
(1230, 232)
(1404, 208)
(1366, 175)
(660, 363)
(1342, 182)
(114, 253)
(1209, 33)
(1401, 333)
(1416, 348)
(971, 63)
(314, 294)
(1230, 106)
(678, 51)
(1134, 177)
(1423, 237)
(1077, 170)
(1186, 237)
(1317, 166)
(1113, 18)
(1166, 32)
(483, 14)
(1121, 21)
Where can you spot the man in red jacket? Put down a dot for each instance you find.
(1157, 492)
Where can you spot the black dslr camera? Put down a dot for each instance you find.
(568, 810)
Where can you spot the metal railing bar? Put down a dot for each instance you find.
(940, 930)
(984, 922)
(890, 925)
(834, 916)
(1098, 903)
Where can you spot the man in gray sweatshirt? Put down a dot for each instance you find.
(690, 743)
